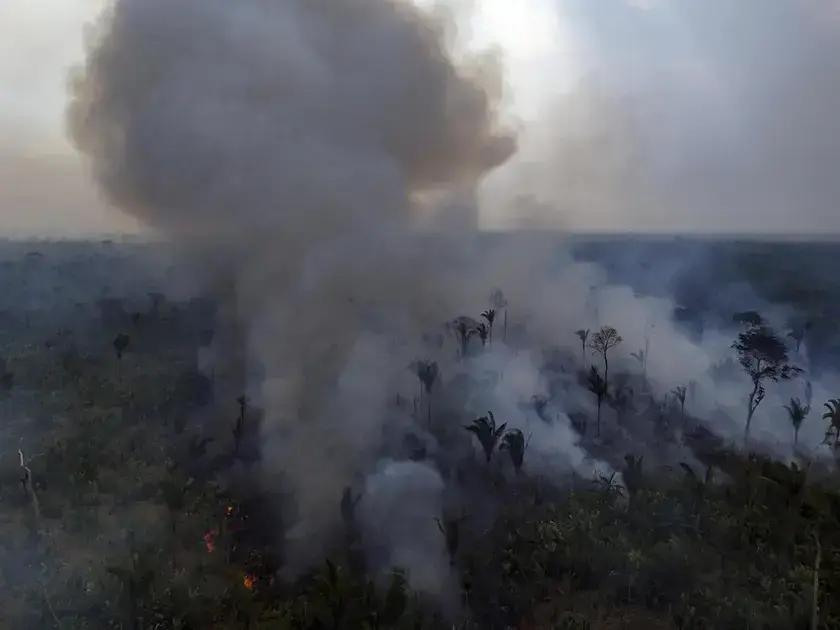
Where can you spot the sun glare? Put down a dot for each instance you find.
(537, 48)
(524, 29)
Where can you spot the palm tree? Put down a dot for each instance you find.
(487, 433)
(490, 316)
(483, 332)
(597, 386)
(797, 412)
(601, 343)
(832, 434)
(514, 443)
(583, 335)
(464, 327)
(427, 372)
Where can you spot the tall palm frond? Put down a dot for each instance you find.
(487, 433)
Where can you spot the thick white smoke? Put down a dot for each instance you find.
(292, 143)
(296, 147)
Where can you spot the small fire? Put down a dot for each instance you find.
(249, 581)
(210, 540)
(229, 510)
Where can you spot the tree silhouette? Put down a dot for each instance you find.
(601, 343)
(583, 335)
(487, 433)
(633, 473)
(490, 316)
(514, 443)
(832, 434)
(597, 386)
(121, 343)
(464, 327)
(349, 501)
(679, 393)
(797, 412)
(483, 332)
(764, 358)
(427, 373)
(641, 359)
(798, 332)
(540, 404)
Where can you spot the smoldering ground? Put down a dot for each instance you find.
(294, 148)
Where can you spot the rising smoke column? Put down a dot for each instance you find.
(285, 143)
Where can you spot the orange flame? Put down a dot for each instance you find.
(249, 581)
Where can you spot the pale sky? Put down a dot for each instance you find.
(634, 114)
(44, 189)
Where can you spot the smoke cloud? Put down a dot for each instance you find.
(296, 145)
(715, 116)
(321, 159)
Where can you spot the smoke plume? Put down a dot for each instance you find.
(320, 159)
(295, 145)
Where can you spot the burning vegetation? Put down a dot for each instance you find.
(377, 416)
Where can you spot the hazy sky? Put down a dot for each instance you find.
(710, 115)
(44, 189)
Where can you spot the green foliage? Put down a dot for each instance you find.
(764, 357)
(702, 554)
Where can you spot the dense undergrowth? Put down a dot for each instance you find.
(130, 498)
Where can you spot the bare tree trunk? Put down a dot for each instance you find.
(606, 374)
(749, 421)
(29, 486)
(751, 407)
